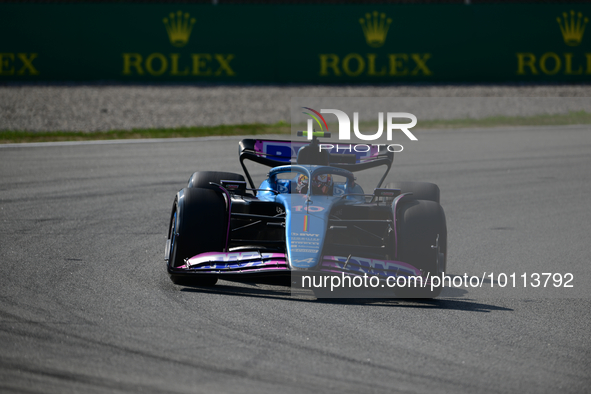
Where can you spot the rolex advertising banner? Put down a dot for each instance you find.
(295, 43)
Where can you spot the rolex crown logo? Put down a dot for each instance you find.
(572, 27)
(375, 28)
(179, 28)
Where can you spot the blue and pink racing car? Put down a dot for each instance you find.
(308, 217)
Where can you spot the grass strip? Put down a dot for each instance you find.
(7, 137)
(179, 132)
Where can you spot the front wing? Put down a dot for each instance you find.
(244, 265)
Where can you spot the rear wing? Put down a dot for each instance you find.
(351, 157)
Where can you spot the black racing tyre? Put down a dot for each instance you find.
(198, 224)
(203, 178)
(422, 242)
(420, 190)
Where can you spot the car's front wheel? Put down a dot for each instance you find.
(422, 243)
(198, 224)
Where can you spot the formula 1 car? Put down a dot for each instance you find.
(309, 216)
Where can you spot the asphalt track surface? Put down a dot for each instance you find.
(86, 305)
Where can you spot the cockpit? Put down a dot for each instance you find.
(325, 181)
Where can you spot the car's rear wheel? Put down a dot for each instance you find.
(422, 243)
(198, 224)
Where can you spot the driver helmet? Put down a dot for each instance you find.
(322, 184)
(302, 186)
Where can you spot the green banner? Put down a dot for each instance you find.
(295, 43)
